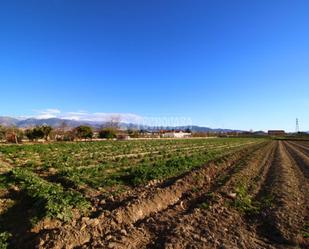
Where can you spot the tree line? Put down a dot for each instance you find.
(62, 133)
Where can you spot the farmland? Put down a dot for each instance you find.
(181, 193)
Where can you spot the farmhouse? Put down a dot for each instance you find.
(276, 133)
(176, 134)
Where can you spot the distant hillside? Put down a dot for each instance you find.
(54, 122)
(193, 128)
(7, 121)
(30, 122)
(57, 122)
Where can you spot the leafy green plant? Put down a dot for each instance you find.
(109, 163)
(56, 202)
(204, 205)
(4, 238)
(195, 189)
(243, 201)
(305, 231)
(266, 201)
(5, 181)
(162, 169)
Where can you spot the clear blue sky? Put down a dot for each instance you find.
(232, 64)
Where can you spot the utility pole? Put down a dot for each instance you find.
(297, 126)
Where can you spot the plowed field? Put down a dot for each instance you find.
(248, 194)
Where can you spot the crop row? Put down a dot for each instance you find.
(84, 154)
(141, 170)
(49, 173)
(55, 201)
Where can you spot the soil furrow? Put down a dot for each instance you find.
(284, 217)
(299, 157)
(256, 197)
(153, 231)
(102, 228)
(217, 218)
(304, 149)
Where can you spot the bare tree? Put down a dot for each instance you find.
(60, 131)
(63, 126)
(113, 122)
(110, 129)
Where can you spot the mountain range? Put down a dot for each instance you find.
(57, 122)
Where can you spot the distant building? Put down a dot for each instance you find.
(123, 137)
(176, 134)
(276, 133)
(148, 134)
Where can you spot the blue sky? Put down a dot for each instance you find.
(220, 63)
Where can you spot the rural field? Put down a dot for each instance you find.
(165, 193)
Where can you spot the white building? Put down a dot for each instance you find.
(176, 134)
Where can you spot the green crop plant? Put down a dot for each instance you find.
(56, 202)
(204, 205)
(305, 231)
(4, 238)
(108, 163)
(243, 200)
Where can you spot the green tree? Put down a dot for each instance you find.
(35, 133)
(29, 134)
(108, 133)
(38, 133)
(83, 132)
(188, 130)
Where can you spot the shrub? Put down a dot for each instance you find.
(83, 132)
(108, 133)
(38, 132)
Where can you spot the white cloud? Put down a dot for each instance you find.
(86, 116)
(48, 113)
(104, 117)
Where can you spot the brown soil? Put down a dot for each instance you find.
(254, 198)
